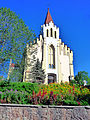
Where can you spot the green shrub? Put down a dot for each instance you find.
(52, 94)
(83, 102)
(15, 97)
(85, 99)
(19, 86)
(70, 102)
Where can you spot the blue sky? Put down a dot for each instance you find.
(71, 16)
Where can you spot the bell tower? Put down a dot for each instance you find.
(50, 33)
(49, 28)
(57, 57)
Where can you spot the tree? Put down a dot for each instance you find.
(38, 74)
(81, 76)
(18, 71)
(88, 80)
(14, 36)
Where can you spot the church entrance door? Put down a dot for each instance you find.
(51, 78)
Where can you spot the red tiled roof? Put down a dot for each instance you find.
(12, 65)
(48, 18)
(28, 71)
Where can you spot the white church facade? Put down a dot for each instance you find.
(55, 57)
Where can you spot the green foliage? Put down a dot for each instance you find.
(4, 83)
(16, 74)
(14, 97)
(85, 99)
(88, 81)
(83, 102)
(38, 74)
(1, 77)
(14, 36)
(70, 102)
(81, 76)
(73, 82)
(52, 94)
(19, 86)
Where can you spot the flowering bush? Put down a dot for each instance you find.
(54, 93)
(13, 97)
(67, 94)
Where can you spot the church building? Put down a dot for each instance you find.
(55, 57)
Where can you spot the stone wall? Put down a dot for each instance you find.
(35, 112)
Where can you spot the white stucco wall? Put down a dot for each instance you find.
(51, 40)
(65, 70)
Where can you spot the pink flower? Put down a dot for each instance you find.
(11, 89)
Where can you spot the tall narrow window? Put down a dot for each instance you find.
(55, 34)
(51, 57)
(51, 30)
(47, 33)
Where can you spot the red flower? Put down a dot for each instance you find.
(42, 96)
(51, 93)
(78, 102)
(44, 92)
(73, 88)
(3, 101)
(28, 97)
(54, 97)
(70, 91)
(39, 94)
(34, 95)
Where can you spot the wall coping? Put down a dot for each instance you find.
(43, 106)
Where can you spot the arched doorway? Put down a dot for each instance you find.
(51, 78)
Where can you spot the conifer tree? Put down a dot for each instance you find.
(38, 74)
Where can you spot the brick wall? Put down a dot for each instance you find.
(35, 112)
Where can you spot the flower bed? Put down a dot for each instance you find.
(61, 94)
(52, 94)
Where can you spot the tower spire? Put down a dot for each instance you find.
(48, 18)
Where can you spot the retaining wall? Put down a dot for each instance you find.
(35, 112)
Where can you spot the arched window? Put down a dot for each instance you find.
(47, 33)
(49, 65)
(55, 34)
(51, 57)
(51, 31)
